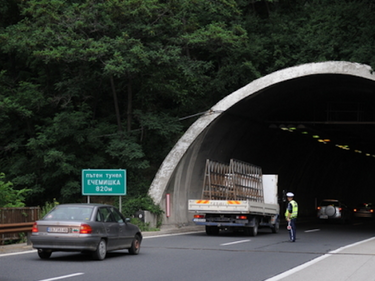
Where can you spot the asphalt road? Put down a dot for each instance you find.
(193, 256)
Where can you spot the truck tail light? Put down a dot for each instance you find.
(35, 228)
(241, 217)
(355, 210)
(85, 229)
(199, 216)
(318, 208)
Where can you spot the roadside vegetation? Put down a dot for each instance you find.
(114, 84)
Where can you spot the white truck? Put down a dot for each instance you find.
(236, 197)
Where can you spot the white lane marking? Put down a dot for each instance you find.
(307, 264)
(312, 230)
(235, 242)
(18, 253)
(171, 234)
(63, 277)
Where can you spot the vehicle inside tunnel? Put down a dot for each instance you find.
(315, 130)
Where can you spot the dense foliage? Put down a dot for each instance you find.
(9, 197)
(107, 84)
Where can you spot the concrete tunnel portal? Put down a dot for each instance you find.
(313, 125)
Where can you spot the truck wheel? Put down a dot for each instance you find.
(252, 231)
(275, 227)
(212, 230)
(255, 228)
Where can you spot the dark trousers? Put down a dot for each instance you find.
(292, 231)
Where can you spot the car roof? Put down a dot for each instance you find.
(86, 204)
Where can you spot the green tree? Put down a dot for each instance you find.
(10, 197)
(107, 84)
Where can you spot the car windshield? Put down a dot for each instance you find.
(365, 205)
(82, 213)
(330, 203)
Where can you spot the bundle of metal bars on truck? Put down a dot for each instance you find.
(236, 181)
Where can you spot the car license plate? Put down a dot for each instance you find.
(57, 229)
(199, 220)
(323, 217)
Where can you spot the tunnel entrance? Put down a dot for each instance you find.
(313, 125)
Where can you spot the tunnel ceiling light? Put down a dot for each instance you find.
(303, 130)
(345, 146)
(283, 127)
(342, 145)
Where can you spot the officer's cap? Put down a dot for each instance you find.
(290, 194)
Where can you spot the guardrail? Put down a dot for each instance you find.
(17, 228)
(14, 221)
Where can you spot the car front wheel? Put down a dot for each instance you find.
(101, 251)
(136, 245)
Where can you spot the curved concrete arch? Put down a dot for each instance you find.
(181, 172)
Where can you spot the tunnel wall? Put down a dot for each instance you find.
(220, 135)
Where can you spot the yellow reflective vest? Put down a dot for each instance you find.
(294, 210)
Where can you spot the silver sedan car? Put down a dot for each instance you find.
(88, 228)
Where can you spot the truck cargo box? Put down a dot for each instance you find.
(232, 206)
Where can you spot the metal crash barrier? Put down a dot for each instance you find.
(15, 221)
(17, 228)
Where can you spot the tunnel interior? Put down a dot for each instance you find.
(316, 132)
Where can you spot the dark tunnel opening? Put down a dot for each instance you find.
(337, 110)
(313, 125)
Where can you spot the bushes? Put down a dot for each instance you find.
(9, 197)
(47, 207)
(131, 205)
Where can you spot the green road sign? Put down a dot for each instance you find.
(103, 182)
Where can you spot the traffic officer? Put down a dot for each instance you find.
(291, 216)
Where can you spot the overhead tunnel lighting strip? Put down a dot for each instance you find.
(292, 128)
